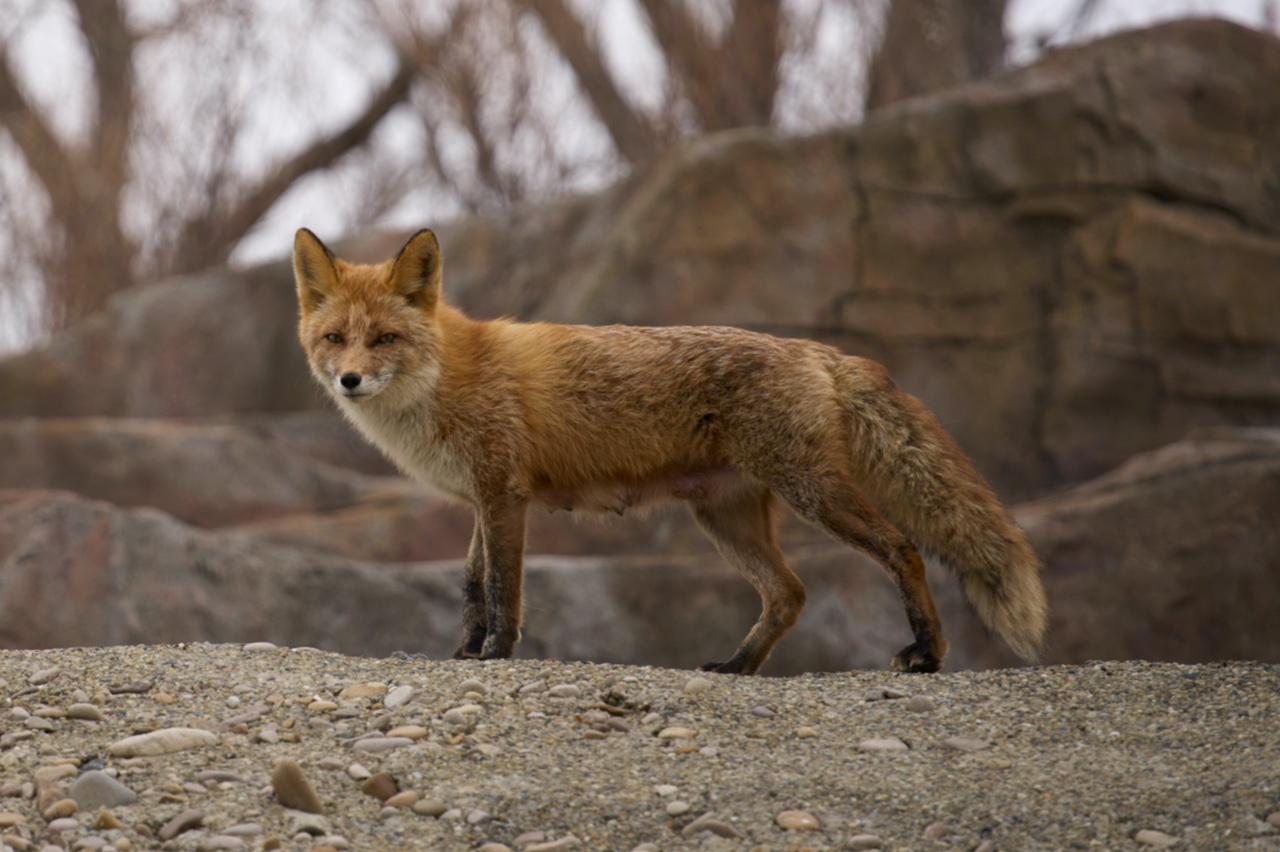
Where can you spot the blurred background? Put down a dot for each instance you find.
(1056, 221)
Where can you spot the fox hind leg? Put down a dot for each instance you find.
(741, 523)
(833, 503)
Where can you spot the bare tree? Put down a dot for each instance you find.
(205, 116)
(930, 45)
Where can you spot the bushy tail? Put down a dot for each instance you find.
(924, 482)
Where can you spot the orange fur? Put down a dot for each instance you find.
(506, 415)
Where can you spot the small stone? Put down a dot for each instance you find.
(593, 734)
(221, 843)
(381, 786)
(677, 733)
(455, 717)
(57, 772)
(184, 821)
(64, 824)
(258, 647)
(921, 704)
(883, 744)
(864, 841)
(163, 741)
(477, 816)
(413, 732)
(935, 831)
(564, 690)
(533, 687)
(84, 711)
(709, 822)
(244, 829)
(358, 772)
(763, 712)
(429, 807)
(321, 706)
(666, 789)
(136, 687)
(377, 745)
(403, 799)
(305, 823)
(363, 690)
(966, 743)
(60, 808)
(677, 807)
(44, 676)
(473, 685)
(1273, 818)
(526, 838)
(806, 733)
(398, 696)
(491, 846)
(987, 845)
(1157, 839)
(38, 723)
(892, 694)
(292, 788)
(566, 842)
(697, 686)
(797, 821)
(106, 821)
(96, 789)
(8, 819)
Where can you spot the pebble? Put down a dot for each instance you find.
(358, 772)
(477, 816)
(666, 789)
(221, 843)
(244, 829)
(1273, 818)
(403, 799)
(97, 789)
(966, 743)
(304, 823)
(261, 646)
(363, 690)
(106, 821)
(162, 741)
(806, 733)
(473, 685)
(8, 819)
(398, 696)
(292, 788)
(921, 704)
(429, 807)
(763, 712)
(381, 786)
(533, 687)
(377, 745)
(697, 686)
(412, 732)
(527, 838)
(455, 717)
(676, 732)
(564, 690)
(184, 821)
(797, 821)
(44, 676)
(84, 711)
(569, 841)
(60, 808)
(493, 847)
(864, 841)
(1157, 839)
(678, 807)
(883, 744)
(709, 822)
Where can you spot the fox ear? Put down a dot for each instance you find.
(313, 270)
(415, 275)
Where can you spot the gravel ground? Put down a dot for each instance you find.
(411, 754)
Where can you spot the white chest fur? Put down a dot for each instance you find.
(408, 437)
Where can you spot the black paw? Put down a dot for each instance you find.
(913, 658)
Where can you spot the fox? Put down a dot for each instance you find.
(506, 415)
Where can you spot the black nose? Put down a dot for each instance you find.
(350, 380)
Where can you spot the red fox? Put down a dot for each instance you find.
(506, 415)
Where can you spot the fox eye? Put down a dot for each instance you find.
(387, 338)
(333, 338)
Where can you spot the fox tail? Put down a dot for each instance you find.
(923, 481)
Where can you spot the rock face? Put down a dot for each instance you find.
(1071, 263)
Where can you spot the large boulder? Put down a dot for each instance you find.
(1071, 262)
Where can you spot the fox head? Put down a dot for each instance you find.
(370, 332)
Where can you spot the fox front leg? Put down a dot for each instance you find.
(475, 621)
(503, 532)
